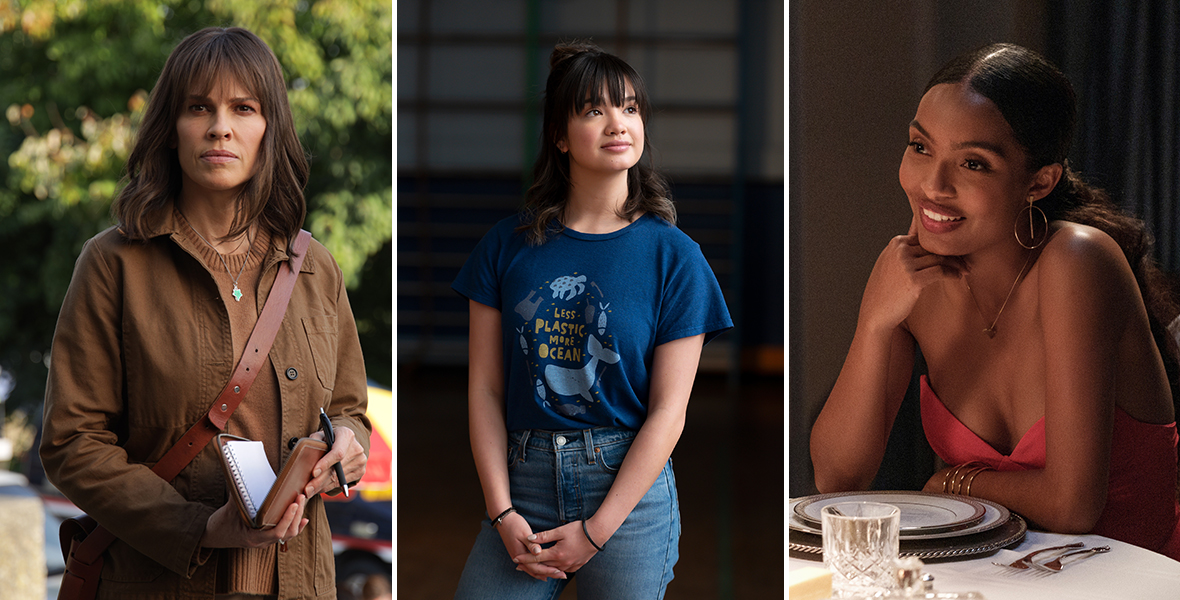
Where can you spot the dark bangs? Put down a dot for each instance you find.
(273, 196)
(580, 72)
(227, 55)
(585, 79)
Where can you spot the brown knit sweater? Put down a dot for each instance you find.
(246, 570)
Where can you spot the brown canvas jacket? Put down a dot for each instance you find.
(141, 349)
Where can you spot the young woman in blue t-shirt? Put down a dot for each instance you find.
(588, 314)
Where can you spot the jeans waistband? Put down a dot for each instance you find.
(574, 440)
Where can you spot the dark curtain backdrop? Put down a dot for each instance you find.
(1123, 57)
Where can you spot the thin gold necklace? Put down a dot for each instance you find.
(237, 291)
(991, 329)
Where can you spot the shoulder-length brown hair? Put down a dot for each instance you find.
(273, 196)
(579, 71)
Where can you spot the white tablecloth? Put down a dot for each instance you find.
(1125, 573)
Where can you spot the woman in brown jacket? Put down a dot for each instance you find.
(157, 317)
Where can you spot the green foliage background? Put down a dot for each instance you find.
(74, 79)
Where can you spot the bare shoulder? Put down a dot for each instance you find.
(1074, 247)
(1080, 259)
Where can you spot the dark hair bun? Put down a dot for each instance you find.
(567, 50)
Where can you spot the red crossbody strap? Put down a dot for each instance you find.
(199, 435)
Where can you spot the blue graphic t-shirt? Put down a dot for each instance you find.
(583, 313)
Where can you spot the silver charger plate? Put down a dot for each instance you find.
(1009, 533)
(924, 515)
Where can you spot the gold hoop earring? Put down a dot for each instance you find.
(1032, 227)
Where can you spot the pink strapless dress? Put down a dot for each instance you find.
(1141, 506)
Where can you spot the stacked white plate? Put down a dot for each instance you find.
(933, 526)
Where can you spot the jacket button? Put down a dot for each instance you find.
(292, 373)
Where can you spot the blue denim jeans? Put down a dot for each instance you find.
(557, 477)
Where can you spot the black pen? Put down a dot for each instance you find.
(330, 438)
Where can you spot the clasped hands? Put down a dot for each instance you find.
(225, 528)
(570, 549)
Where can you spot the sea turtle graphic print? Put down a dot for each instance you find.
(564, 331)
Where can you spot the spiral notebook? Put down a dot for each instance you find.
(262, 496)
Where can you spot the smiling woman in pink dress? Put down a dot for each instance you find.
(1035, 305)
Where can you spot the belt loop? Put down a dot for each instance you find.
(524, 444)
(589, 438)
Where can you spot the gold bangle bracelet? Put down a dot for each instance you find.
(972, 480)
(964, 477)
(953, 482)
(950, 475)
(957, 484)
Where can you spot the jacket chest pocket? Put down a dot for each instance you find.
(321, 337)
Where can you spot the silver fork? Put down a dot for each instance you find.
(1026, 560)
(1055, 564)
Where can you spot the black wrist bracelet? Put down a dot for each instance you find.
(588, 538)
(497, 520)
